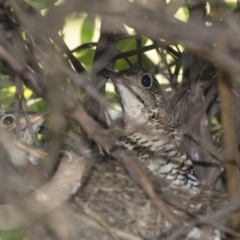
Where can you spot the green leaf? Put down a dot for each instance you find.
(147, 62)
(86, 57)
(5, 82)
(122, 63)
(144, 40)
(111, 96)
(37, 105)
(126, 44)
(228, 5)
(11, 234)
(41, 4)
(87, 30)
(7, 97)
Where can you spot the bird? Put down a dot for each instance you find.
(9, 124)
(21, 147)
(149, 128)
(107, 190)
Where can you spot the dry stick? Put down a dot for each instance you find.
(22, 69)
(45, 199)
(230, 143)
(164, 27)
(202, 109)
(84, 46)
(93, 215)
(212, 220)
(17, 106)
(193, 36)
(76, 111)
(135, 169)
(156, 44)
(207, 147)
(105, 52)
(95, 132)
(118, 232)
(227, 115)
(24, 107)
(152, 30)
(26, 12)
(139, 55)
(105, 140)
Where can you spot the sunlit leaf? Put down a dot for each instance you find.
(87, 30)
(27, 92)
(7, 98)
(111, 95)
(228, 5)
(126, 44)
(36, 105)
(182, 14)
(147, 62)
(123, 64)
(144, 40)
(86, 57)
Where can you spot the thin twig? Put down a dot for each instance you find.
(97, 218)
(108, 142)
(42, 201)
(227, 115)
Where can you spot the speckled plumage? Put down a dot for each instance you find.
(150, 130)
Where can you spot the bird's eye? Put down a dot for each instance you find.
(65, 154)
(146, 81)
(8, 120)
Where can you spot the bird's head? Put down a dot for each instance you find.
(9, 124)
(140, 94)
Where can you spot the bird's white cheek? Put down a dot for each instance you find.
(132, 106)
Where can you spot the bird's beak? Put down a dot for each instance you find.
(112, 75)
(109, 73)
(35, 119)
